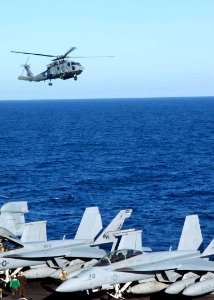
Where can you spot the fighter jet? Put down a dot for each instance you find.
(12, 219)
(85, 245)
(154, 270)
(131, 238)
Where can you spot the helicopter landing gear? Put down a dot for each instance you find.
(50, 83)
(75, 77)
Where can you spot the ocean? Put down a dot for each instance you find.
(155, 156)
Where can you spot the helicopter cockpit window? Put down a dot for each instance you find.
(68, 64)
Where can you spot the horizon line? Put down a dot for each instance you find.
(113, 98)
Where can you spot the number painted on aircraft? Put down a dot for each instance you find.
(4, 263)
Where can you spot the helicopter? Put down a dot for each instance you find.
(60, 67)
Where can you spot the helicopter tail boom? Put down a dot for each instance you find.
(26, 78)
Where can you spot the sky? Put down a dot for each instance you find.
(161, 48)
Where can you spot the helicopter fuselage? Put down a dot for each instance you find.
(63, 69)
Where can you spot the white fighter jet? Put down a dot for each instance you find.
(147, 272)
(130, 238)
(30, 251)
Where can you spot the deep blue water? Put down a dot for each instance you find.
(153, 155)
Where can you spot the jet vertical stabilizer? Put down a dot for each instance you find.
(209, 250)
(115, 225)
(34, 232)
(131, 240)
(12, 216)
(191, 237)
(90, 225)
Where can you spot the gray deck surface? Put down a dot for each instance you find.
(45, 290)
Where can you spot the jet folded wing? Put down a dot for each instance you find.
(86, 252)
(197, 264)
(77, 252)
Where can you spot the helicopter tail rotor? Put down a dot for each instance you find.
(26, 67)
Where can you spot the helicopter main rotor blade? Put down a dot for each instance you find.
(69, 51)
(61, 56)
(64, 55)
(90, 56)
(40, 54)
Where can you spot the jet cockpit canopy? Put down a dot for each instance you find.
(117, 256)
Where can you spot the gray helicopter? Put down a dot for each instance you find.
(60, 67)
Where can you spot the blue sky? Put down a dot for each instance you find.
(162, 48)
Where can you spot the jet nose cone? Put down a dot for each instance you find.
(73, 285)
(62, 288)
(65, 287)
